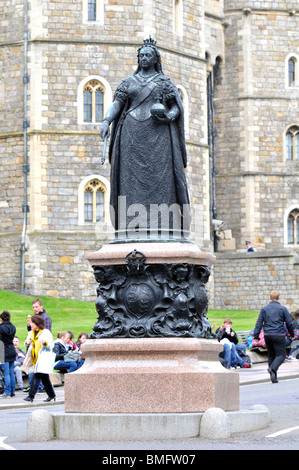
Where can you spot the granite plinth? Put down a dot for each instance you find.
(151, 375)
(155, 253)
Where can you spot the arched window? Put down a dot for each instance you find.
(178, 17)
(94, 98)
(185, 100)
(94, 204)
(292, 143)
(292, 70)
(93, 200)
(93, 101)
(293, 227)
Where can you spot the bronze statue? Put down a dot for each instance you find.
(147, 153)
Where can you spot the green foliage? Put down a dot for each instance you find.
(79, 316)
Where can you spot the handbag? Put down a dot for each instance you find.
(259, 342)
(72, 356)
(45, 361)
(27, 365)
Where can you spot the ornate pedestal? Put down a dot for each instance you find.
(152, 349)
(151, 290)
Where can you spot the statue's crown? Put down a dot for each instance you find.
(149, 41)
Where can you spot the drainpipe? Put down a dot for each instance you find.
(211, 144)
(25, 207)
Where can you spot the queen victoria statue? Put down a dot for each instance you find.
(149, 195)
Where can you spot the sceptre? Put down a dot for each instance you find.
(104, 150)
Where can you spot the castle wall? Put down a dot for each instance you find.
(244, 281)
(253, 108)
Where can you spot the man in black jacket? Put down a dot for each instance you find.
(274, 318)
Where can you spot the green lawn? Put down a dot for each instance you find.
(243, 320)
(80, 316)
(65, 314)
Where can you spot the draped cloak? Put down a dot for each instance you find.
(147, 158)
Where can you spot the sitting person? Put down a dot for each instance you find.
(228, 337)
(62, 347)
(20, 356)
(81, 339)
(293, 353)
(71, 341)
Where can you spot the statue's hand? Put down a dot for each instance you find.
(105, 131)
(166, 118)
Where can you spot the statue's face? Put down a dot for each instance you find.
(147, 57)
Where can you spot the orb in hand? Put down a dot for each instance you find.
(158, 109)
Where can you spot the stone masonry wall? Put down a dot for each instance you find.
(253, 109)
(244, 281)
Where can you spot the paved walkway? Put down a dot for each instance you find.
(256, 374)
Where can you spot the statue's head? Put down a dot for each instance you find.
(151, 44)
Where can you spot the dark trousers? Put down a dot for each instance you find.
(276, 346)
(45, 378)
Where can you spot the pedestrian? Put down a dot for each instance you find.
(273, 318)
(40, 336)
(249, 248)
(7, 334)
(37, 305)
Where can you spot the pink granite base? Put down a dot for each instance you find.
(156, 253)
(159, 375)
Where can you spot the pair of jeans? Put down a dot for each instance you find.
(45, 378)
(9, 378)
(231, 356)
(276, 346)
(70, 366)
(18, 374)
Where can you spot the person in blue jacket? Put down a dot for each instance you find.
(273, 318)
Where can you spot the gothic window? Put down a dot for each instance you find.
(93, 99)
(292, 143)
(293, 227)
(94, 201)
(93, 94)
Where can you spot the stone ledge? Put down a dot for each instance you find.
(148, 426)
(258, 254)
